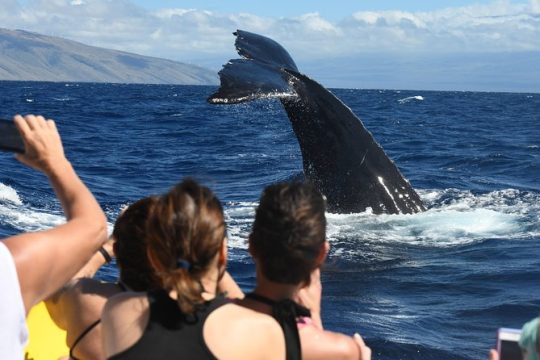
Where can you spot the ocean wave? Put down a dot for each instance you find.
(25, 218)
(7, 193)
(15, 213)
(454, 218)
(239, 217)
(411, 98)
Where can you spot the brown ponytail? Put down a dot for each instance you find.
(185, 231)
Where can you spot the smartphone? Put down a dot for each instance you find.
(507, 344)
(10, 138)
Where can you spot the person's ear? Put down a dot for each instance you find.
(154, 263)
(223, 253)
(325, 248)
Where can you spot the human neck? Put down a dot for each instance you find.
(274, 290)
(209, 283)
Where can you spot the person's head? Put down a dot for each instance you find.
(529, 339)
(288, 239)
(130, 246)
(186, 241)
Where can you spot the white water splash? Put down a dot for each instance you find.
(14, 212)
(239, 217)
(272, 95)
(410, 98)
(455, 218)
(7, 193)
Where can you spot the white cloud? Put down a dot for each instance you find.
(185, 34)
(314, 22)
(500, 26)
(391, 18)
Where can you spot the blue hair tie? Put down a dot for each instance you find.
(183, 264)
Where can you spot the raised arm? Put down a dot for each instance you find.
(103, 256)
(46, 260)
(66, 301)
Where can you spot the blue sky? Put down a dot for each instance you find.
(332, 9)
(490, 45)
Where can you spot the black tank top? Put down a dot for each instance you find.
(171, 334)
(286, 312)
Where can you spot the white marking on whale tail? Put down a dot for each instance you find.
(381, 181)
(364, 158)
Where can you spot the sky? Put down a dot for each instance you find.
(487, 45)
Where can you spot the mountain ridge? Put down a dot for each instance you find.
(29, 56)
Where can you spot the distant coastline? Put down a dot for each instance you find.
(28, 56)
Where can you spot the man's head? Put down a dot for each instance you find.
(288, 239)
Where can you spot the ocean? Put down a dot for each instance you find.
(434, 285)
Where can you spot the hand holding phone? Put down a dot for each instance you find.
(10, 138)
(508, 344)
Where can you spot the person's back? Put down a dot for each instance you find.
(187, 248)
(31, 265)
(77, 307)
(152, 326)
(78, 313)
(288, 245)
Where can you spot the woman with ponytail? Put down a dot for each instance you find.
(187, 318)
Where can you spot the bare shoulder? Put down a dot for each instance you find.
(125, 311)
(82, 288)
(85, 294)
(124, 319)
(245, 318)
(93, 286)
(233, 324)
(126, 301)
(79, 303)
(321, 344)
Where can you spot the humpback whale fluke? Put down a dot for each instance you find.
(339, 155)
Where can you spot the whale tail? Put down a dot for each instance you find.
(261, 73)
(340, 156)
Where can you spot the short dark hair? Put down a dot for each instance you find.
(289, 231)
(130, 246)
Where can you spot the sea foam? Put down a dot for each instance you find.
(411, 98)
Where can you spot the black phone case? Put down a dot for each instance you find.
(10, 138)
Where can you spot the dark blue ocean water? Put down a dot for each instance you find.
(434, 285)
